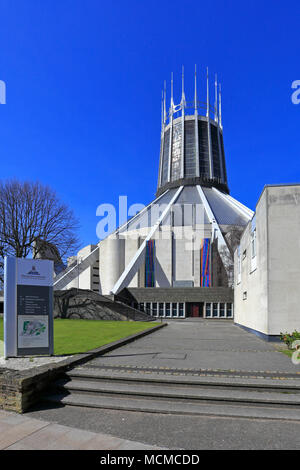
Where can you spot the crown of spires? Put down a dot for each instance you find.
(216, 110)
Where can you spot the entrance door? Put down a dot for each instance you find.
(195, 309)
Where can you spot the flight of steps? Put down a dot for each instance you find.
(155, 391)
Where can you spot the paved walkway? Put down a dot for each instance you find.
(19, 432)
(180, 431)
(183, 346)
(200, 345)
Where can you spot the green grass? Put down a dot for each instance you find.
(1, 329)
(78, 336)
(287, 352)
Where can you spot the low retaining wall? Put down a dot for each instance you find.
(19, 390)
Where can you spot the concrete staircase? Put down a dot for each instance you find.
(157, 392)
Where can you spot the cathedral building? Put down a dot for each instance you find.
(175, 257)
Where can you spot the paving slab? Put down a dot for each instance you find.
(13, 432)
(19, 432)
(200, 345)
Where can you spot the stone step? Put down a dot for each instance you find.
(174, 407)
(161, 378)
(177, 392)
(102, 364)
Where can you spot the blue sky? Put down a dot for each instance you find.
(84, 81)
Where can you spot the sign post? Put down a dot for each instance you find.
(28, 307)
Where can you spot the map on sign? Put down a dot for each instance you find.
(33, 328)
(32, 331)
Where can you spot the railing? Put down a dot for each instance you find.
(189, 109)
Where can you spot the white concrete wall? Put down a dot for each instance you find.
(175, 259)
(131, 247)
(85, 279)
(163, 261)
(141, 275)
(252, 311)
(182, 261)
(284, 258)
(112, 263)
(273, 293)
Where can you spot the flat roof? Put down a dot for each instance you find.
(274, 186)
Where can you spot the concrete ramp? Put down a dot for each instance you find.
(89, 305)
(72, 272)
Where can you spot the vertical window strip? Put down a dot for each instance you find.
(149, 264)
(205, 280)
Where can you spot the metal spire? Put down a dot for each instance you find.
(216, 98)
(165, 95)
(171, 131)
(208, 129)
(162, 110)
(220, 107)
(207, 94)
(183, 94)
(183, 105)
(172, 101)
(196, 98)
(196, 127)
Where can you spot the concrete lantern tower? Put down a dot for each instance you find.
(192, 149)
(175, 257)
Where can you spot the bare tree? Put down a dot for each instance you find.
(30, 213)
(232, 238)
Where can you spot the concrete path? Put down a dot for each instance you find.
(200, 345)
(19, 432)
(183, 349)
(179, 432)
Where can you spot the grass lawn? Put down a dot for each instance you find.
(1, 329)
(78, 336)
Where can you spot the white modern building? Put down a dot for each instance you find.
(267, 265)
(175, 257)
